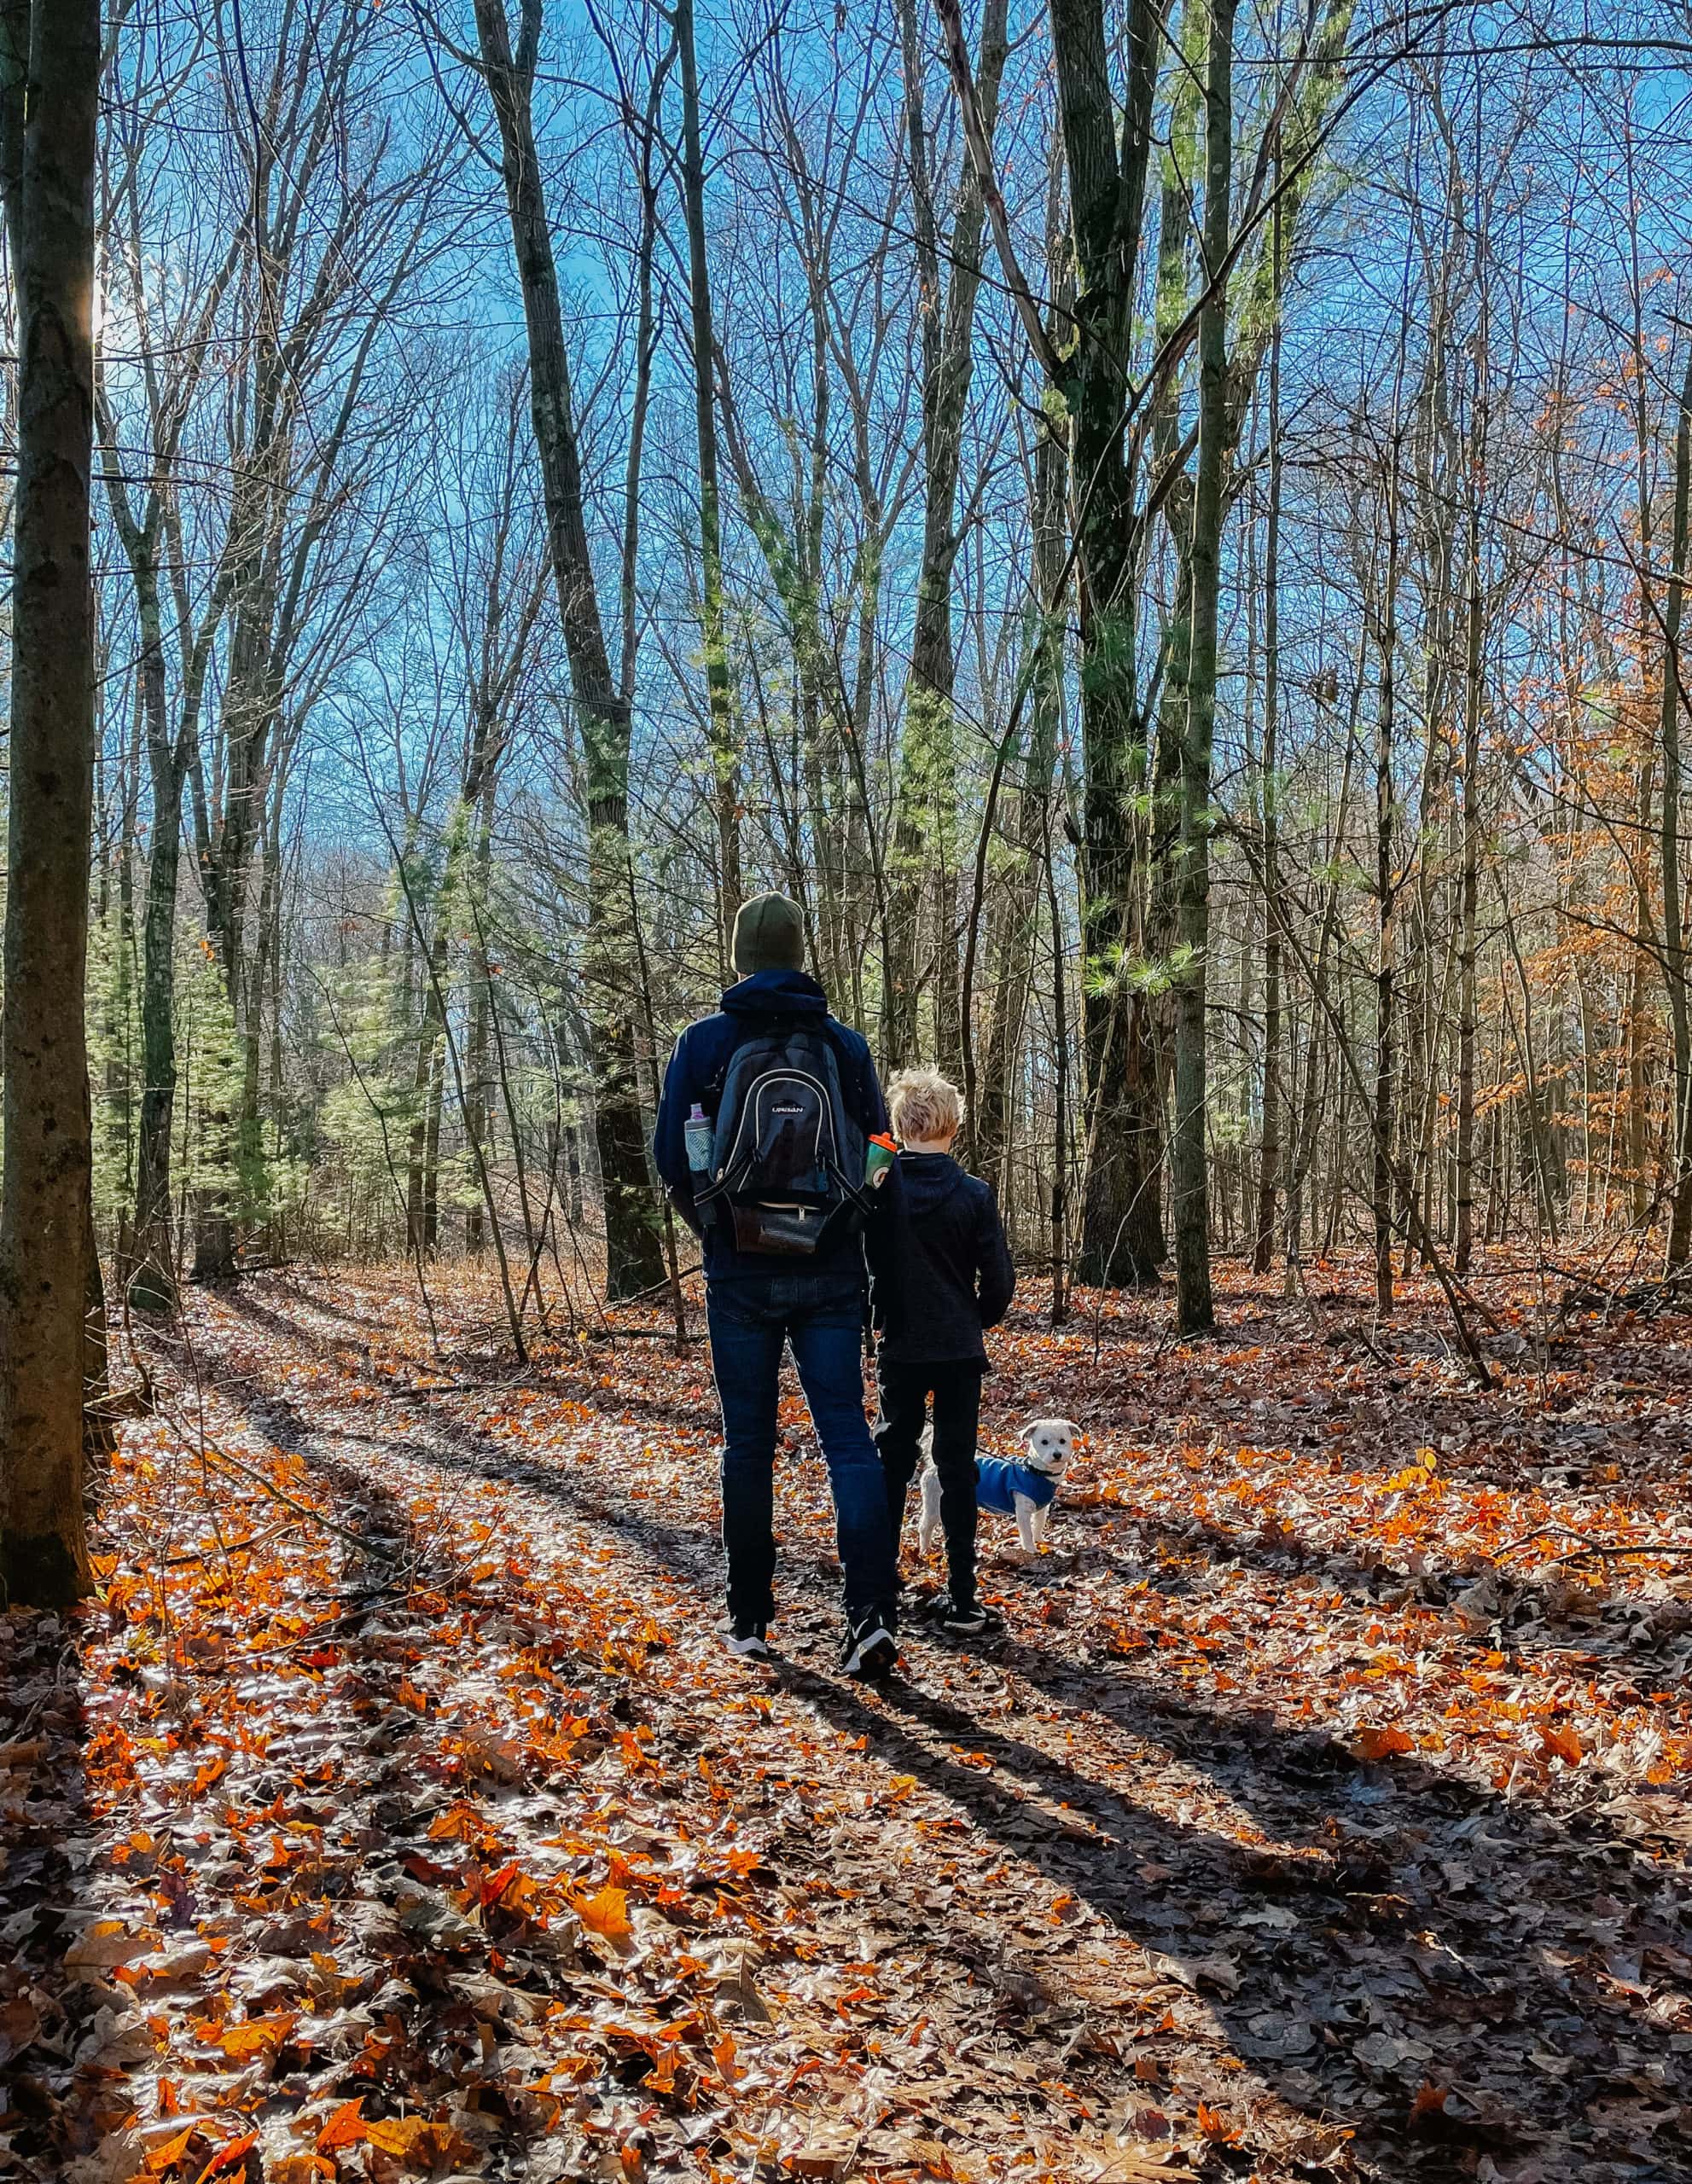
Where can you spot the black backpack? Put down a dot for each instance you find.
(787, 1161)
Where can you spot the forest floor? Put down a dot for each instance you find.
(395, 1809)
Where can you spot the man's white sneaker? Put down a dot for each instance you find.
(870, 1647)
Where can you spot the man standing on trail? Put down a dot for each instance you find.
(765, 1140)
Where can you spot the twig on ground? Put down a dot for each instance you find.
(234, 1546)
(1589, 1547)
(365, 1546)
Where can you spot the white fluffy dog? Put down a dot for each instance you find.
(1023, 1491)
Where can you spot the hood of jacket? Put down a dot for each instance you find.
(776, 993)
(929, 1180)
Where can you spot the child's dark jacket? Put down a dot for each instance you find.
(956, 1275)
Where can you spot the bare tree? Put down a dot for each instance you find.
(633, 1246)
(925, 817)
(49, 89)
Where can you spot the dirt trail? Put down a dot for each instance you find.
(397, 1810)
(1052, 1902)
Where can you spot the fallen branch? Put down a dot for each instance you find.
(621, 1304)
(1597, 1296)
(1590, 1548)
(235, 1547)
(214, 1455)
(640, 1334)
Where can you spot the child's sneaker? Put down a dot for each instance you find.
(749, 1639)
(964, 1619)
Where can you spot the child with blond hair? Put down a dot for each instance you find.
(955, 1279)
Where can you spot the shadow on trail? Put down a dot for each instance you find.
(1375, 1940)
(1362, 1944)
(388, 1779)
(346, 1352)
(47, 2012)
(1526, 1625)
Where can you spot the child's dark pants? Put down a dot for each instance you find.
(956, 1390)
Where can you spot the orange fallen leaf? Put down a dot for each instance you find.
(511, 1888)
(417, 2139)
(1217, 2128)
(605, 1913)
(241, 2042)
(170, 2150)
(212, 1771)
(230, 2151)
(398, 2134)
(1374, 1744)
(345, 2127)
(1430, 2100)
(1558, 1742)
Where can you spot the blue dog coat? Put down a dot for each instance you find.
(999, 1483)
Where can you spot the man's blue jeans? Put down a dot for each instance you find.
(822, 1320)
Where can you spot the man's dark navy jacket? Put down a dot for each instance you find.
(696, 1070)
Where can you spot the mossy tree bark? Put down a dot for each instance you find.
(925, 824)
(50, 83)
(1121, 1239)
(634, 1257)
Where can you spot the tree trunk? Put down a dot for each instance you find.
(152, 1280)
(1195, 1308)
(153, 1284)
(478, 1113)
(1386, 902)
(252, 1166)
(1679, 1250)
(923, 849)
(1269, 1151)
(1470, 898)
(991, 1128)
(724, 741)
(45, 1194)
(1059, 1172)
(634, 1253)
(1638, 1017)
(1122, 1233)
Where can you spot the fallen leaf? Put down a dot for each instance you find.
(225, 2159)
(1430, 2101)
(345, 2127)
(259, 2036)
(1560, 1742)
(606, 1912)
(107, 1942)
(1195, 1971)
(168, 2151)
(1217, 2128)
(19, 2023)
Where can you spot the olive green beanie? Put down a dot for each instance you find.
(768, 936)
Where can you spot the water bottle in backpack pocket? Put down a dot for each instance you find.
(788, 1159)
